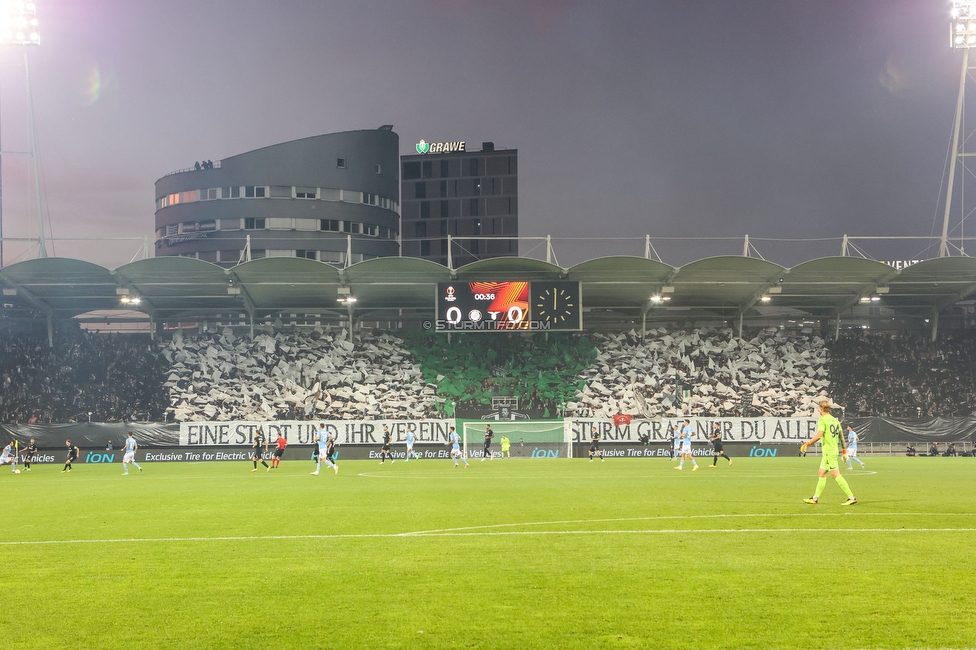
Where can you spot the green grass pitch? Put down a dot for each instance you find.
(507, 554)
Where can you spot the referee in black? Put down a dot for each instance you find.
(489, 434)
(717, 448)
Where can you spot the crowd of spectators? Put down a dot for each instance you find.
(904, 374)
(113, 377)
(85, 376)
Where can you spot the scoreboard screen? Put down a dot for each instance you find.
(508, 306)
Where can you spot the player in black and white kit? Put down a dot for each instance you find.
(72, 456)
(260, 447)
(595, 444)
(489, 434)
(30, 451)
(385, 449)
(717, 449)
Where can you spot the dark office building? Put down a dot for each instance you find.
(331, 198)
(449, 190)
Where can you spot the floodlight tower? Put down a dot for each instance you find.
(962, 36)
(18, 26)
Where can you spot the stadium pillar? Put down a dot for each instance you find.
(935, 326)
(152, 328)
(643, 326)
(837, 326)
(349, 308)
(50, 329)
(740, 325)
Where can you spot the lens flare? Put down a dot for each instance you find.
(93, 88)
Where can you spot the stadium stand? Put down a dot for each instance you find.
(85, 376)
(779, 374)
(318, 373)
(904, 374)
(544, 372)
(293, 376)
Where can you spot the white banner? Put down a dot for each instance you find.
(754, 430)
(301, 432)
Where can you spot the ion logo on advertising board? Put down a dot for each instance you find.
(96, 457)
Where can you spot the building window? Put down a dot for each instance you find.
(308, 255)
(425, 209)
(331, 225)
(370, 230)
(230, 193)
(253, 224)
(420, 229)
(425, 248)
(411, 171)
(473, 167)
(474, 207)
(280, 191)
(341, 163)
(444, 227)
(444, 209)
(420, 190)
(350, 227)
(445, 169)
(443, 189)
(477, 227)
(305, 192)
(473, 244)
(254, 191)
(173, 229)
(428, 169)
(377, 169)
(211, 193)
(476, 187)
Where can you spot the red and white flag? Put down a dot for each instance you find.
(621, 419)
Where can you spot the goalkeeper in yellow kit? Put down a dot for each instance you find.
(831, 437)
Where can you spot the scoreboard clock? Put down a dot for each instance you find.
(507, 306)
(556, 305)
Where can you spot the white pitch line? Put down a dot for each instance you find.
(689, 517)
(667, 531)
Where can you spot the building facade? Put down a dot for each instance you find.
(316, 198)
(470, 195)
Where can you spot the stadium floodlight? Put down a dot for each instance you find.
(865, 299)
(655, 298)
(766, 298)
(18, 23)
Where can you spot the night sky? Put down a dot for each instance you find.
(674, 118)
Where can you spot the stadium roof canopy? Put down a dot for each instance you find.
(614, 289)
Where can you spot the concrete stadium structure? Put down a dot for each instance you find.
(332, 198)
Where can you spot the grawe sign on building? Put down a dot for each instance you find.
(440, 147)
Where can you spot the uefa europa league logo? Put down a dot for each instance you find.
(423, 147)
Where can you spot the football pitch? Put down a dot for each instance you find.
(538, 553)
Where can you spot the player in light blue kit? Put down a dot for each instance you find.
(686, 432)
(130, 454)
(322, 439)
(411, 436)
(455, 441)
(9, 456)
(852, 439)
